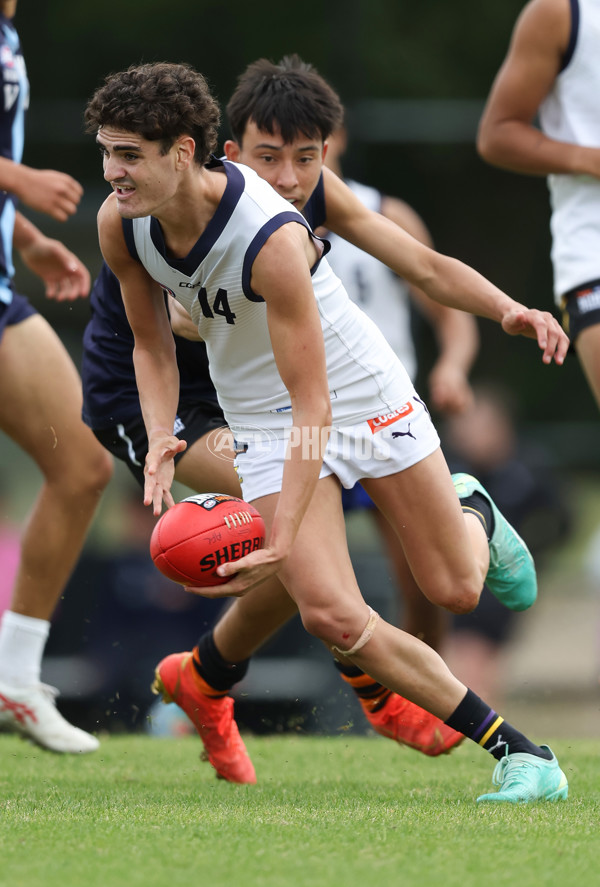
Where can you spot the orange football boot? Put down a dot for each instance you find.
(176, 681)
(411, 725)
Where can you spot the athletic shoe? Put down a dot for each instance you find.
(175, 680)
(411, 725)
(511, 574)
(32, 712)
(524, 778)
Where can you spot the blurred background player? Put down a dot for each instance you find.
(40, 410)
(542, 118)
(388, 301)
(552, 72)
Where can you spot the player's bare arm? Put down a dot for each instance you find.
(181, 322)
(281, 275)
(156, 370)
(444, 279)
(48, 191)
(508, 136)
(64, 275)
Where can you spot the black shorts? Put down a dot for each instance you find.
(128, 441)
(580, 308)
(15, 311)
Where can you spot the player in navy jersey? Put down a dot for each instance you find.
(291, 356)
(40, 406)
(111, 405)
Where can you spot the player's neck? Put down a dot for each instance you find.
(186, 217)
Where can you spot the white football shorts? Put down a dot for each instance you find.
(376, 447)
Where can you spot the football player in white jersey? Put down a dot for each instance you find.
(40, 407)
(552, 70)
(296, 100)
(171, 219)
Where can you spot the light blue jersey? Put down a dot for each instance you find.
(15, 100)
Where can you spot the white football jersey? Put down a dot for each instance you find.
(570, 113)
(213, 284)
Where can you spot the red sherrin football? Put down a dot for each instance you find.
(197, 534)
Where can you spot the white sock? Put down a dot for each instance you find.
(22, 642)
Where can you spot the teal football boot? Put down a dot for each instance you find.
(511, 574)
(524, 778)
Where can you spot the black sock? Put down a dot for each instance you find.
(371, 694)
(483, 725)
(478, 505)
(213, 669)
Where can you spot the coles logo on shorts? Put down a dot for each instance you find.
(380, 422)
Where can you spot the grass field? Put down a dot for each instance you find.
(326, 811)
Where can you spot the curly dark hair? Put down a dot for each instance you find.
(160, 102)
(289, 97)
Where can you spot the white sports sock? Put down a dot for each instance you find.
(22, 642)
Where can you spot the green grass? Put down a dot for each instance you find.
(326, 811)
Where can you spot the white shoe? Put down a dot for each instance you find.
(32, 712)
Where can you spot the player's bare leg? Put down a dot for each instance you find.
(207, 465)
(319, 576)
(447, 551)
(40, 409)
(418, 616)
(587, 347)
(333, 609)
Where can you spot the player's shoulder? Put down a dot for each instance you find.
(108, 212)
(110, 231)
(546, 20)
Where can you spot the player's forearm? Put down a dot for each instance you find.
(306, 450)
(158, 386)
(25, 233)
(457, 285)
(522, 148)
(11, 174)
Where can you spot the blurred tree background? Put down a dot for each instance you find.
(413, 76)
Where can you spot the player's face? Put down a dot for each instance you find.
(142, 178)
(292, 168)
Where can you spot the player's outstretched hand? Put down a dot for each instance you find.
(540, 325)
(246, 573)
(48, 191)
(65, 276)
(159, 471)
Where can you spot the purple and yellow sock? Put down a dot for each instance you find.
(487, 728)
